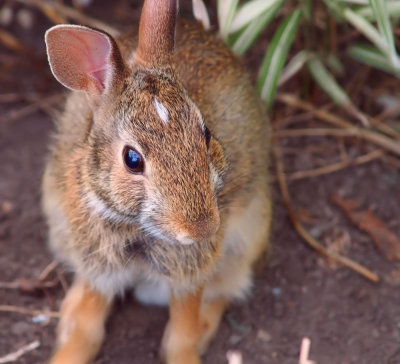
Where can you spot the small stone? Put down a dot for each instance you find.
(276, 291)
(7, 207)
(375, 333)
(264, 335)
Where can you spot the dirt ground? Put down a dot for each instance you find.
(299, 294)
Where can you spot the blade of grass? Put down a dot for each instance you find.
(249, 35)
(200, 13)
(226, 11)
(367, 29)
(368, 13)
(372, 57)
(249, 12)
(275, 57)
(328, 83)
(295, 65)
(385, 27)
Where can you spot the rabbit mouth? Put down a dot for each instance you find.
(176, 261)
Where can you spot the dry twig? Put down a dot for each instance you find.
(366, 158)
(12, 357)
(381, 140)
(44, 103)
(304, 351)
(59, 13)
(305, 235)
(234, 357)
(28, 311)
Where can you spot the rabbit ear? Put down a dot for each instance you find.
(157, 32)
(82, 58)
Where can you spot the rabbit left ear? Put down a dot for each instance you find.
(157, 32)
(82, 58)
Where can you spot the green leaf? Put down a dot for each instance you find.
(393, 8)
(226, 11)
(385, 27)
(367, 29)
(248, 36)
(335, 63)
(327, 82)
(372, 57)
(275, 57)
(356, 2)
(249, 12)
(295, 65)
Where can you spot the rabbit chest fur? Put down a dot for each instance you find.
(109, 228)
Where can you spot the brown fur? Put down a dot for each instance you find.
(111, 226)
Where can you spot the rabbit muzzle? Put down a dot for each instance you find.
(197, 231)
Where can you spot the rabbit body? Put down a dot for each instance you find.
(200, 219)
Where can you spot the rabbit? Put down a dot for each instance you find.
(157, 178)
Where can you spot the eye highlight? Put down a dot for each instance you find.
(133, 160)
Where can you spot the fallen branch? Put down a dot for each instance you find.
(366, 158)
(381, 140)
(304, 351)
(12, 357)
(59, 13)
(305, 235)
(28, 311)
(45, 103)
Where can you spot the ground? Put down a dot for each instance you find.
(348, 318)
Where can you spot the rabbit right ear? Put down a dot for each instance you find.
(157, 32)
(82, 58)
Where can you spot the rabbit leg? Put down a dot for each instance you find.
(81, 326)
(210, 318)
(182, 333)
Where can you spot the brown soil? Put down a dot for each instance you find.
(347, 318)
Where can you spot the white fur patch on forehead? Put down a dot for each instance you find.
(161, 111)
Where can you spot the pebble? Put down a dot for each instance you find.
(7, 207)
(264, 336)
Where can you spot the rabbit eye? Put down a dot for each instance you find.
(207, 135)
(133, 160)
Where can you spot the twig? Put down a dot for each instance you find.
(16, 114)
(336, 166)
(28, 311)
(58, 13)
(373, 137)
(305, 235)
(304, 351)
(48, 270)
(61, 278)
(317, 132)
(234, 357)
(9, 358)
(11, 42)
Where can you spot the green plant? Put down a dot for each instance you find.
(241, 25)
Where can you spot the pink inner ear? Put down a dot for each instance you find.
(79, 57)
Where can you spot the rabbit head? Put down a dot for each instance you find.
(149, 160)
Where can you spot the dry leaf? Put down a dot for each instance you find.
(385, 239)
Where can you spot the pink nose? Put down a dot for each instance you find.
(191, 232)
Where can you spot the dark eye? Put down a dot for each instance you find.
(207, 135)
(133, 160)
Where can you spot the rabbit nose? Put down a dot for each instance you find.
(199, 230)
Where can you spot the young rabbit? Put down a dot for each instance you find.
(157, 179)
